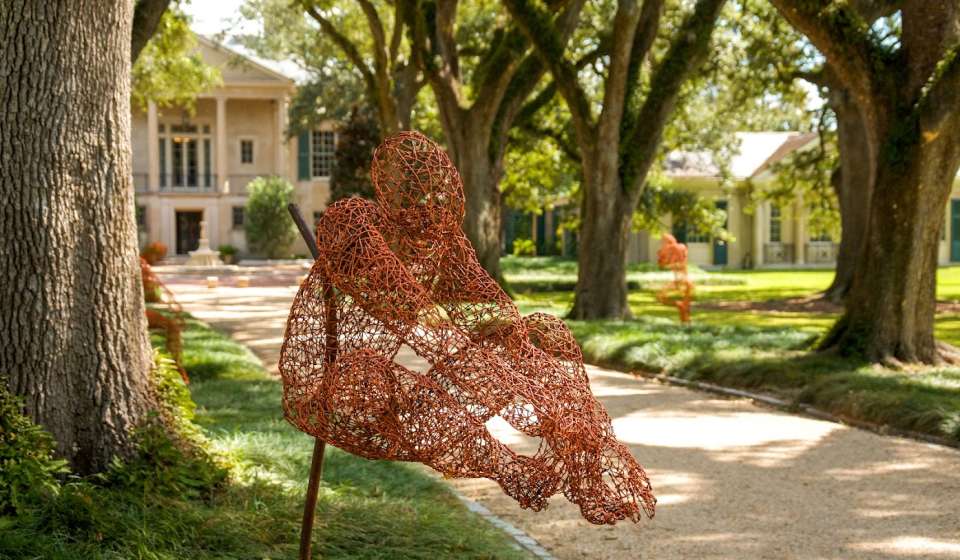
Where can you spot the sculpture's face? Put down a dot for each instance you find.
(416, 183)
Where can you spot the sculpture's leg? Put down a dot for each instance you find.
(310, 507)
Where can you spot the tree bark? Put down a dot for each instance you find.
(482, 225)
(892, 301)
(606, 214)
(73, 339)
(853, 185)
(146, 18)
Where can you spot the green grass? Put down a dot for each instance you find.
(367, 509)
(769, 351)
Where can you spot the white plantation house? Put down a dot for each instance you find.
(189, 168)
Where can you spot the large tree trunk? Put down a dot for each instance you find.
(854, 187)
(892, 302)
(481, 185)
(73, 338)
(606, 215)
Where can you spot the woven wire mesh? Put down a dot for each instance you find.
(400, 272)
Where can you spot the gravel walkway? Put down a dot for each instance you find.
(733, 480)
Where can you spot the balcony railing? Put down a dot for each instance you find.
(238, 183)
(778, 253)
(821, 252)
(188, 182)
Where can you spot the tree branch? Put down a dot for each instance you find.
(146, 18)
(687, 52)
(536, 25)
(841, 34)
(346, 46)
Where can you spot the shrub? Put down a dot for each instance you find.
(356, 141)
(270, 231)
(173, 457)
(154, 252)
(27, 465)
(228, 253)
(524, 248)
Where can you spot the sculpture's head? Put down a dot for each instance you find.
(416, 183)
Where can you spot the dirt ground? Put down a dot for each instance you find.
(734, 480)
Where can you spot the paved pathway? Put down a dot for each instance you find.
(733, 480)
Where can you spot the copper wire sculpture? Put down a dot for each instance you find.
(679, 292)
(400, 272)
(172, 323)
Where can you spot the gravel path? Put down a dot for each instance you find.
(733, 480)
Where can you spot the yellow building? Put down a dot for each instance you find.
(189, 168)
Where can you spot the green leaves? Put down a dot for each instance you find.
(169, 71)
(270, 231)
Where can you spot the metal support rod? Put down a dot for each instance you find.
(319, 446)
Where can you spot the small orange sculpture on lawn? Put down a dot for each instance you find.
(400, 272)
(679, 292)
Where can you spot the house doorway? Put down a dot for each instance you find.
(955, 229)
(719, 245)
(188, 230)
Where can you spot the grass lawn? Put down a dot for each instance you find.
(767, 350)
(367, 509)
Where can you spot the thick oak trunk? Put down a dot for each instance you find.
(606, 215)
(73, 338)
(853, 185)
(481, 186)
(892, 301)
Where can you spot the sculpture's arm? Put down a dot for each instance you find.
(471, 298)
(358, 261)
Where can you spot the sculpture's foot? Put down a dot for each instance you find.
(529, 481)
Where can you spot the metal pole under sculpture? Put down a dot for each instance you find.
(319, 446)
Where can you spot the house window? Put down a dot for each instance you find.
(238, 217)
(688, 234)
(141, 218)
(322, 148)
(776, 224)
(246, 151)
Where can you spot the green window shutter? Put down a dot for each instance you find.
(303, 156)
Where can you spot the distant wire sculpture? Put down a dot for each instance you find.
(679, 291)
(172, 322)
(400, 272)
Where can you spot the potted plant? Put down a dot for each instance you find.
(154, 252)
(228, 254)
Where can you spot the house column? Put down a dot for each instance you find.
(153, 148)
(758, 234)
(281, 157)
(799, 231)
(223, 183)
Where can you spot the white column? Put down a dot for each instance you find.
(223, 183)
(281, 147)
(153, 148)
(758, 214)
(799, 231)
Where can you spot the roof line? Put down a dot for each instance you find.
(222, 47)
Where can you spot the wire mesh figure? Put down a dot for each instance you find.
(401, 272)
(678, 292)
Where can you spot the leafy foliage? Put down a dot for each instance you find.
(356, 141)
(28, 468)
(270, 231)
(169, 71)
